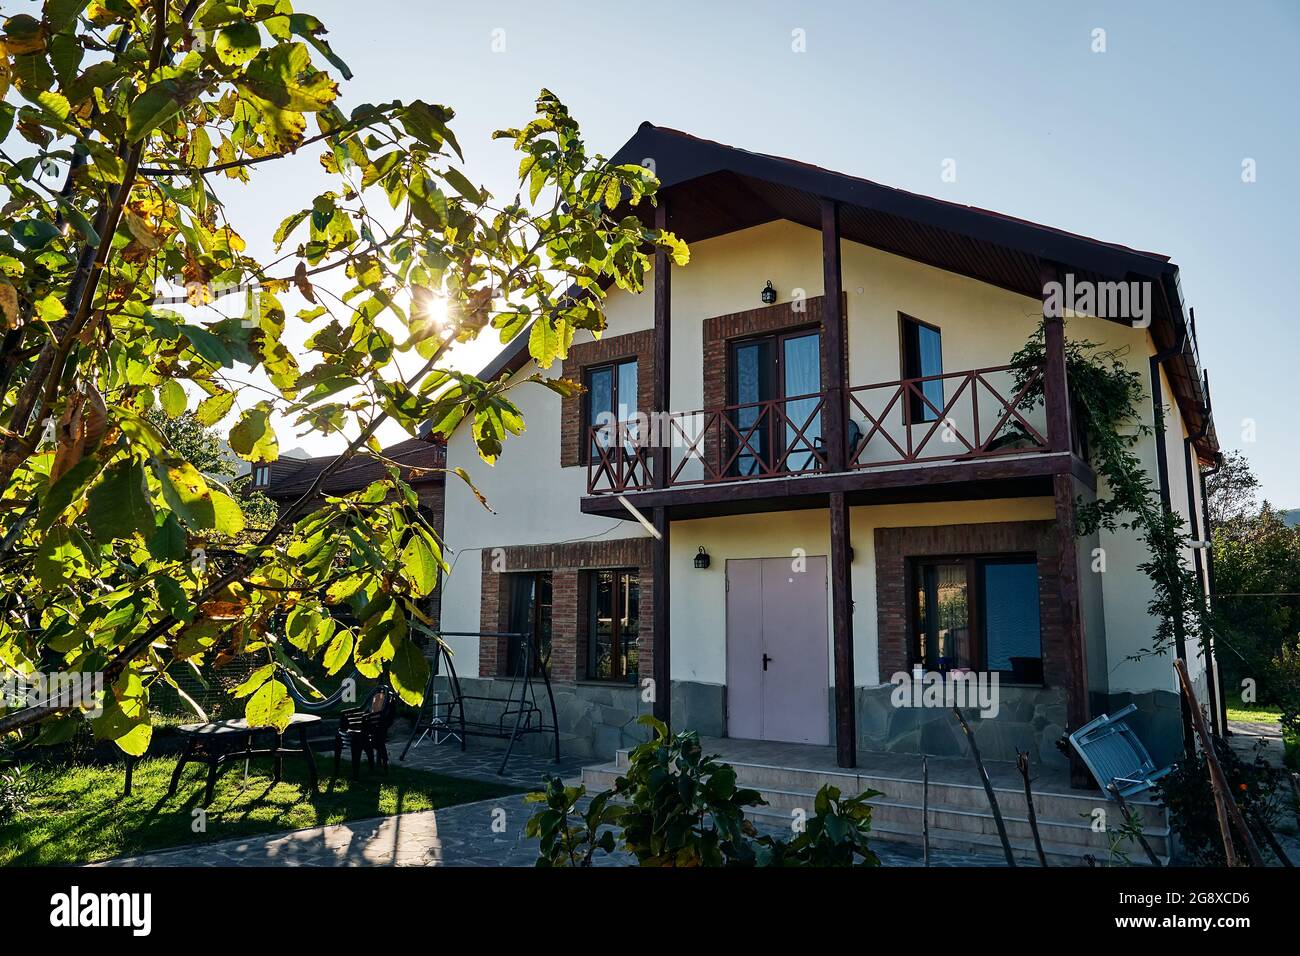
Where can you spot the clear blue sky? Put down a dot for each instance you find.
(1142, 144)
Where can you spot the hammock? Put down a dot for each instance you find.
(308, 704)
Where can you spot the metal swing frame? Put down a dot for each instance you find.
(520, 702)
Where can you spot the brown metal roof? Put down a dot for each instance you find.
(413, 454)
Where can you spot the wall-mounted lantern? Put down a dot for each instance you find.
(768, 294)
(702, 559)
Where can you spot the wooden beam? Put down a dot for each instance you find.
(663, 310)
(1067, 576)
(846, 751)
(769, 493)
(660, 631)
(833, 344)
(1056, 389)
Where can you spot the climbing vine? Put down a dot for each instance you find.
(1107, 397)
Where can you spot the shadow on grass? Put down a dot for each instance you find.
(80, 815)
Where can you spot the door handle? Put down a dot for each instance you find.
(766, 659)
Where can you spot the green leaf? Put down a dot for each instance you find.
(58, 558)
(271, 706)
(457, 180)
(255, 680)
(66, 490)
(545, 343)
(173, 398)
(252, 438)
(168, 542)
(339, 652)
(119, 503)
(155, 106)
(409, 672)
(214, 408)
(419, 565)
(208, 346)
(186, 492)
(227, 518)
(237, 43)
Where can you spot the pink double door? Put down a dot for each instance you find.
(778, 662)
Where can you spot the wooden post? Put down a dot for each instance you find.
(663, 309)
(660, 568)
(846, 751)
(660, 630)
(1076, 692)
(833, 344)
(1056, 390)
(1224, 805)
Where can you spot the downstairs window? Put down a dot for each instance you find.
(615, 603)
(977, 613)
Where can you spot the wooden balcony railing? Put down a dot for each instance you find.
(957, 416)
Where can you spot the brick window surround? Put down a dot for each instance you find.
(584, 355)
(567, 564)
(894, 546)
(722, 329)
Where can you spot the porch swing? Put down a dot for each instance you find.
(518, 713)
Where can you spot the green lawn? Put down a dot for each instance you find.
(78, 815)
(1254, 713)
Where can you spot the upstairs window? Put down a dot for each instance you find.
(610, 397)
(923, 357)
(261, 476)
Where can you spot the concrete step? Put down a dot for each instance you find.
(1073, 807)
(956, 820)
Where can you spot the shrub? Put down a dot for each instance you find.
(676, 806)
(1186, 792)
(562, 842)
(15, 789)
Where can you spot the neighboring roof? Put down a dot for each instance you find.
(716, 189)
(292, 477)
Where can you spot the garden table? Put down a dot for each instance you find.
(219, 742)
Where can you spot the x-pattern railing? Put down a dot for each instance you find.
(783, 437)
(964, 392)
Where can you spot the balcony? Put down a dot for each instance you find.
(953, 430)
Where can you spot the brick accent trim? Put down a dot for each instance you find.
(895, 545)
(721, 329)
(583, 355)
(566, 563)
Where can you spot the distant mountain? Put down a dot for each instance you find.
(1292, 517)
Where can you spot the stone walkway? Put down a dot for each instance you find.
(488, 833)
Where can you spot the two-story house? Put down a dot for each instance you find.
(843, 482)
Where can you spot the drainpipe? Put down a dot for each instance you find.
(1162, 468)
(1222, 699)
(1207, 646)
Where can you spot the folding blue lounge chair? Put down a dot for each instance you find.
(1115, 756)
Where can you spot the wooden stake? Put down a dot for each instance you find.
(1224, 805)
(1123, 806)
(925, 810)
(988, 788)
(1022, 764)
